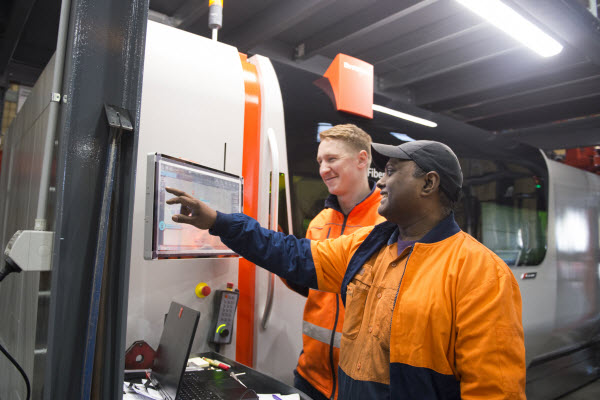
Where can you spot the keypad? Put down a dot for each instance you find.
(194, 389)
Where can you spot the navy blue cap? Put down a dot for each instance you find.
(429, 156)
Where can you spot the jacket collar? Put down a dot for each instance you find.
(444, 229)
(332, 201)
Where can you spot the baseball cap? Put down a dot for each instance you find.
(429, 156)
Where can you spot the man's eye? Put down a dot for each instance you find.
(389, 171)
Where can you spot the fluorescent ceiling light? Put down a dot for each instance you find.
(514, 24)
(402, 136)
(402, 115)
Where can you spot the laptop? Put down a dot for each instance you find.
(168, 373)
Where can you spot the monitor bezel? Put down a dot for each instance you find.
(152, 208)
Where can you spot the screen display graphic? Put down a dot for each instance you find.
(220, 190)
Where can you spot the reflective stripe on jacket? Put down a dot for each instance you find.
(456, 328)
(324, 312)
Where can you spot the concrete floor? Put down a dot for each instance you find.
(590, 391)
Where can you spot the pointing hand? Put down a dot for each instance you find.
(200, 215)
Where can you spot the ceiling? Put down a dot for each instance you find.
(432, 56)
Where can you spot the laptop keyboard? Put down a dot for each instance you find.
(192, 388)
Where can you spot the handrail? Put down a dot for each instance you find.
(274, 217)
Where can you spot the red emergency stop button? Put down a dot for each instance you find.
(229, 285)
(202, 290)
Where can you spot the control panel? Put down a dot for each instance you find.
(223, 315)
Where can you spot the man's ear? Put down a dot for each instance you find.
(363, 159)
(431, 183)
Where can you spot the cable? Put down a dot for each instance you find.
(248, 391)
(16, 364)
(9, 266)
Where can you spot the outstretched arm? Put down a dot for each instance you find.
(284, 255)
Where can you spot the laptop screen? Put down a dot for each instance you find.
(174, 348)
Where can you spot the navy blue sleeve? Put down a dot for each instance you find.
(284, 255)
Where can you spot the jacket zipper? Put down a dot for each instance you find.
(400, 284)
(344, 224)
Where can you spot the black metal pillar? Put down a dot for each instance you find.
(104, 62)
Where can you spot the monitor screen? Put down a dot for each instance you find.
(220, 190)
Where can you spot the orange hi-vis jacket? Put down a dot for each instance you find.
(324, 312)
(455, 330)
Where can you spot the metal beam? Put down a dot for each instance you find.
(16, 24)
(534, 116)
(383, 13)
(22, 74)
(163, 18)
(279, 51)
(532, 99)
(189, 13)
(539, 82)
(452, 60)
(580, 132)
(494, 73)
(276, 19)
(438, 34)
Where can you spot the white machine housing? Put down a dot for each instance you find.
(193, 108)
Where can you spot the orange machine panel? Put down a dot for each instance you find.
(246, 278)
(587, 158)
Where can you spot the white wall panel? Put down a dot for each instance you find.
(19, 193)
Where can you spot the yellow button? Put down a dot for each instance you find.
(393, 264)
(378, 295)
(370, 329)
(358, 366)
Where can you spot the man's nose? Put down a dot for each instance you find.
(380, 184)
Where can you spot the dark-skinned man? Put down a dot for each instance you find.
(430, 312)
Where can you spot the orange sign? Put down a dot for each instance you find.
(351, 85)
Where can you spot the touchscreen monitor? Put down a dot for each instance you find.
(167, 239)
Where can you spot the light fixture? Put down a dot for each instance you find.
(402, 136)
(405, 116)
(515, 25)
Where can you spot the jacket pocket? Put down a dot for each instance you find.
(356, 298)
(382, 317)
